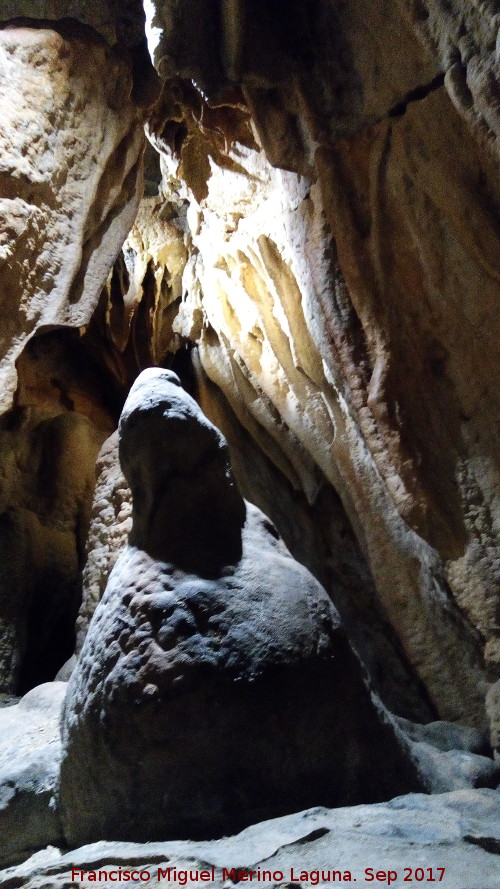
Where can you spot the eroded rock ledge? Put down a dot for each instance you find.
(458, 831)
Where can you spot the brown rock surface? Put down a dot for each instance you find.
(349, 317)
(326, 234)
(46, 484)
(70, 156)
(110, 525)
(263, 287)
(348, 314)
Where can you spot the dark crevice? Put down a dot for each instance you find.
(48, 646)
(416, 95)
(489, 844)
(65, 400)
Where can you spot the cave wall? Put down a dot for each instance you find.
(345, 303)
(324, 242)
(71, 149)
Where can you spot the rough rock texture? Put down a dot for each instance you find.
(458, 831)
(71, 149)
(70, 157)
(110, 524)
(493, 711)
(346, 309)
(215, 685)
(344, 312)
(115, 22)
(451, 756)
(253, 309)
(57, 374)
(30, 750)
(46, 484)
(132, 326)
(454, 769)
(447, 736)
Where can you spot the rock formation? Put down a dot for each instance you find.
(322, 299)
(346, 307)
(48, 466)
(448, 757)
(454, 831)
(71, 152)
(110, 524)
(71, 148)
(215, 686)
(316, 256)
(30, 750)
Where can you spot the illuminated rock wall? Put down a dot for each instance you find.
(346, 309)
(320, 266)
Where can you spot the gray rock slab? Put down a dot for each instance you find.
(450, 839)
(30, 752)
(447, 736)
(454, 769)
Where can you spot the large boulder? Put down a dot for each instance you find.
(215, 686)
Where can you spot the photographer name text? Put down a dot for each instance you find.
(240, 875)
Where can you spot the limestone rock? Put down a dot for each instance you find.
(70, 160)
(110, 525)
(132, 326)
(30, 750)
(454, 769)
(451, 757)
(66, 670)
(447, 736)
(58, 374)
(493, 709)
(100, 17)
(346, 309)
(278, 334)
(309, 72)
(324, 300)
(215, 685)
(172, 456)
(457, 831)
(46, 485)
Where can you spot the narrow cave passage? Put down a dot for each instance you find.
(249, 455)
(236, 272)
